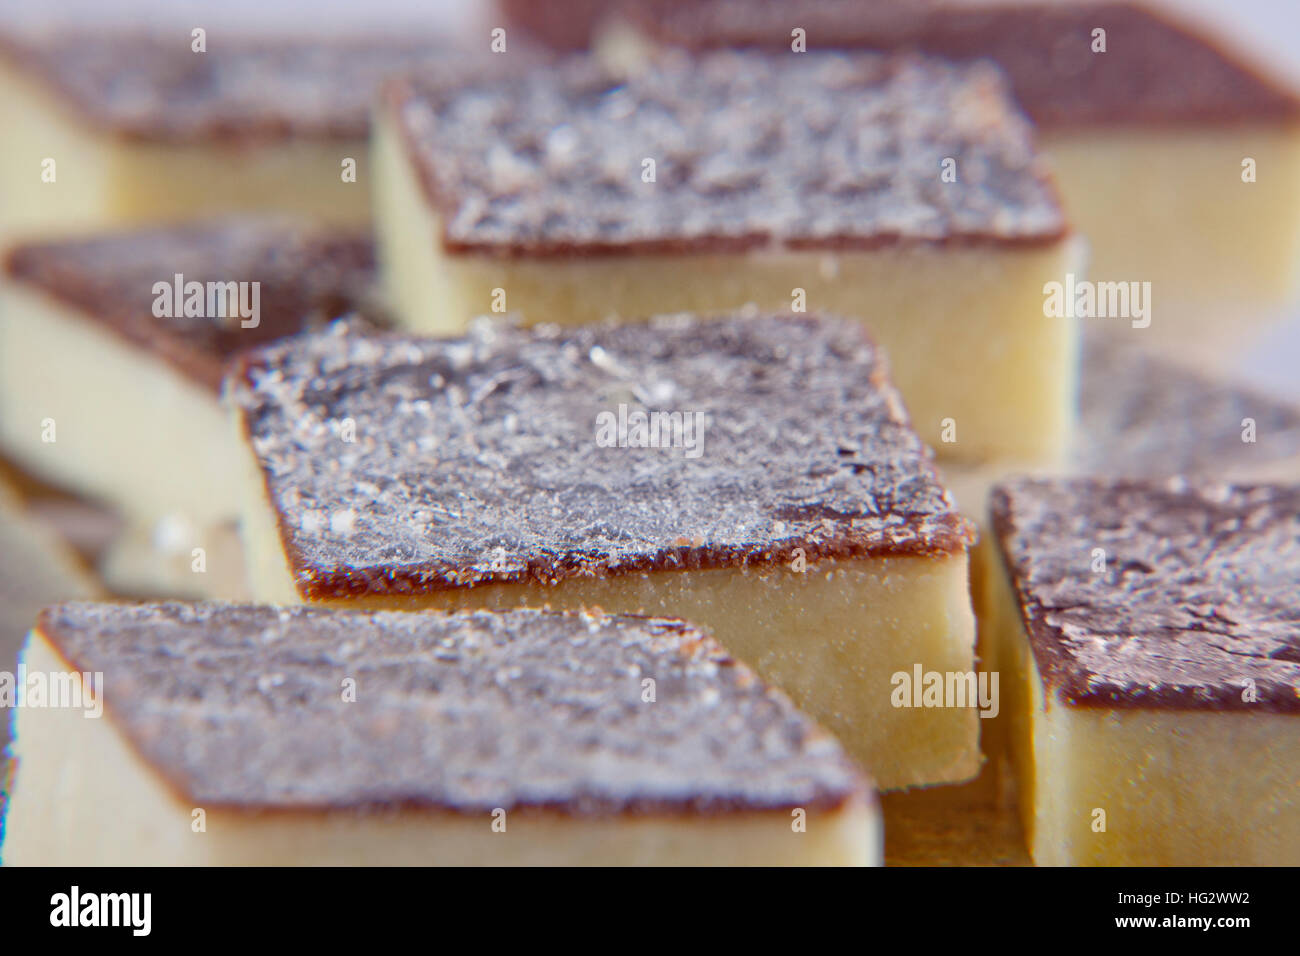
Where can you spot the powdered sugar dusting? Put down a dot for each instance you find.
(466, 712)
(477, 460)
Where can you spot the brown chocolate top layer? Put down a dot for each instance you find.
(1144, 416)
(479, 460)
(1154, 70)
(244, 707)
(155, 87)
(750, 150)
(1200, 593)
(307, 276)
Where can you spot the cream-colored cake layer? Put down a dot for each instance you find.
(172, 558)
(1146, 787)
(128, 429)
(964, 328)
(83, 797)
(105, 181)
(831, 636)
(1169, 207)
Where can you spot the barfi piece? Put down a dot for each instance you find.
(308, 736)
(1141, 416)
(902, 191)
(1150, 657)
(112, 352)
(36, 568)
(776, 495)
(1150, 139)
(116, 129)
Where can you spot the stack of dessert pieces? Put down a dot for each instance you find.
(691, 456)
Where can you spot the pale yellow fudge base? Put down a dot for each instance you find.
(83, 797)
(173, 559)
(1144, 787)
(983, 372)
(831, 637)
(103, 181)
(128, 430)
(1169, 207)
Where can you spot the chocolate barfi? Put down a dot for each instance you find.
(307, 736)
(754, 474)
(900, 190)
(112, 128)
(1141, 416)
(112, 351)
(1150, 650)
(1164, 136)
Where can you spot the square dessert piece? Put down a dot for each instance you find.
(112, 351)
(236, 735)
(1140, 416)
(902, 191)
(1162, 136)
(112, 129)
(753, 474)
(1150, 655)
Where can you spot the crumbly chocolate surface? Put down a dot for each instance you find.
(154, 87)
(1144, 416)
(1154, 69)
(243, 707)
(307, 277)
(480, 459)
(749, 151)
(1200, 593)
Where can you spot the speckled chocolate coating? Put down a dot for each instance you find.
(1144, 416)
(243, 707)
(154, 87)
(1201, 590)
(750, 151)
(1154, 70)
(308, 276)
(476, 460)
